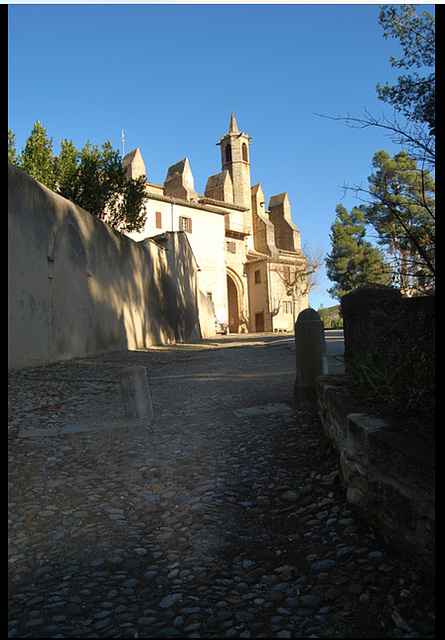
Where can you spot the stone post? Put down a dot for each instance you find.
(310, 351)
(136, 393)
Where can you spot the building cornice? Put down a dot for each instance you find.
(204, 204)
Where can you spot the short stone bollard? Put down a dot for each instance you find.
(136, 393)
(310, 351)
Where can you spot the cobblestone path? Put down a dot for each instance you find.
(225, 518)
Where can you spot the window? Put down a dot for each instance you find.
(158, 215)
(185, 224)
(287, 306)
(231, 247)
(244, 148)
(257, 277)
(228, 153)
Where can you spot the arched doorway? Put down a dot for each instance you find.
(232, 298)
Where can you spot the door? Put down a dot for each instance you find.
(259, 322)
(232, 296)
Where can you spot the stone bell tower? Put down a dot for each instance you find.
(235, 160)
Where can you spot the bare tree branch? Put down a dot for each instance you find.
(415, 137)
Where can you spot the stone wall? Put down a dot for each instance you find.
(388, 479)
(387, 467)
(380, 323)
(76, 287)
(390, 344)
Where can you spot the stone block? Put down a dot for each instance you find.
(136, 392)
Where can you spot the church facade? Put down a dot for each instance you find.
(249, 257)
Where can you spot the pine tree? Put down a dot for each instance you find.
(353, 261)
(413, 95)
(402, 211)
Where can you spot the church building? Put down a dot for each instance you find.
(249, 257)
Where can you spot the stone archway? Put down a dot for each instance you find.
(233, 305)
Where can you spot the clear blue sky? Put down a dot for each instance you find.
(167, 74)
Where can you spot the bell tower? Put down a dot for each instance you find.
(235, 160)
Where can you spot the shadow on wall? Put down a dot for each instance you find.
(78, 287)
(173, 287)
(69, 297)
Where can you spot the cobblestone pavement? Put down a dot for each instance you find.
(225, 518)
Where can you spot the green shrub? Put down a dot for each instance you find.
(403, 386)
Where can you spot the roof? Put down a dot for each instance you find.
(178, 168)
(233, 127)
(130, 156)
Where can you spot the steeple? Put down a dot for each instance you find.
(235, 160)
(233, 127)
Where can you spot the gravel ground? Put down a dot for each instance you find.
(224, 518)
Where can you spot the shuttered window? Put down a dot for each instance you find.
(185, 224)
(231, 247)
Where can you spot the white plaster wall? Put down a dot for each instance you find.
(76, 287)
(207, 240)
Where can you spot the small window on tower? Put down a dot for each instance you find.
(257, 277)
(245, 152)
(185, 224)
(231, 247)
(228, 153)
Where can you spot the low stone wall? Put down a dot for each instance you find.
(380, 323)
(388, 478)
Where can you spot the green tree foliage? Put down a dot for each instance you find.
(331, 317)
(100, 186)
(128, 216)
(414, 96)
(402, 211)
(324, 315)
(12, 151)
(66, 168)
(353, 261)
(98, 178)
(399, 203)
(92, 178)
(37, 157)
